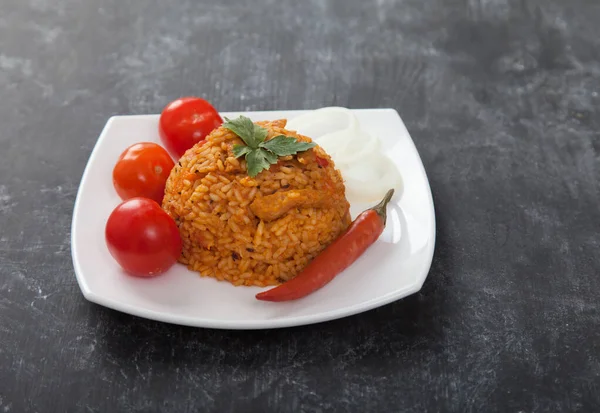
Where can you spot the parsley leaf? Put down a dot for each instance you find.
(261, 154)
(269, 156)
(250, 133)
(283, 146)
(240, 150)
(259, 160)
(260, 133)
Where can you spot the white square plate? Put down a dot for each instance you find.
(394, 267)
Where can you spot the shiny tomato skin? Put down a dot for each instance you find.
(185, 122)
(142, 238)
(142, 171)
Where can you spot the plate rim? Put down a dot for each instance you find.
(249, 324)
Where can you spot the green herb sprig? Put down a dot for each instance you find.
(261, 154)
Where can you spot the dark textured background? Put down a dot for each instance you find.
(502, 100)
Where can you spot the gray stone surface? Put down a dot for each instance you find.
(502, 100)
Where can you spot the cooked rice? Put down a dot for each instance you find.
(209, 194)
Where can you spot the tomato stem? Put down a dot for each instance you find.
(381, 208)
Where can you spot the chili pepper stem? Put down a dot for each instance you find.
(381, 208)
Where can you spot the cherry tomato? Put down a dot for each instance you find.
(142, 170)
(142, 238)
(185, 122)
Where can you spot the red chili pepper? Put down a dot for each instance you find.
(339, 255)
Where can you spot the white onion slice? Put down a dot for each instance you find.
(323, 121)
(367, 181)
(368, 174)
(349, 148)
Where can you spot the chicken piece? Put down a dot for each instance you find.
(271, 207)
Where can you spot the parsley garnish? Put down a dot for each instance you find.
(261, 154)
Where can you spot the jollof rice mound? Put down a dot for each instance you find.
(211, 196)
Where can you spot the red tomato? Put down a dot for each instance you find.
(322, 162)
(142, 170)
(142, 238)
(185, 122)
